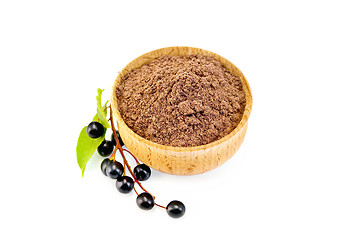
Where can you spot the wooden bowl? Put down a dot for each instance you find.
(182, 160)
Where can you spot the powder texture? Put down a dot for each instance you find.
(181, 101)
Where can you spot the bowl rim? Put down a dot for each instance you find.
(244, 82)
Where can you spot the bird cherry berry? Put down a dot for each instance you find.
(105, 148)
(124, 184)
(145, 201)
(95, 130)
(114, 170)
(114, 141)
(175, 209)
(142, 172)
(104, 165)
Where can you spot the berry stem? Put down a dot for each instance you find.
(112, 157)
(124, 168)
(159, 205)
(137, 161)
(136, 191)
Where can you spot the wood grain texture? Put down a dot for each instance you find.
(182, 160)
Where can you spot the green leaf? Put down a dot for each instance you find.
(96, 118)
(86, 147)
(100, 110)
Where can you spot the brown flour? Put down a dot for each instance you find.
(181, 101)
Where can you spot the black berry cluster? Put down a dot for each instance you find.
(115, 170)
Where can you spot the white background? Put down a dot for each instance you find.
(296, 176)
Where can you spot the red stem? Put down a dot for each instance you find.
(136, 191)
(160, 205)
(137, 161)
(112, 157)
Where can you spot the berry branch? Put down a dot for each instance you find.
(118, 147)
(92, 138)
